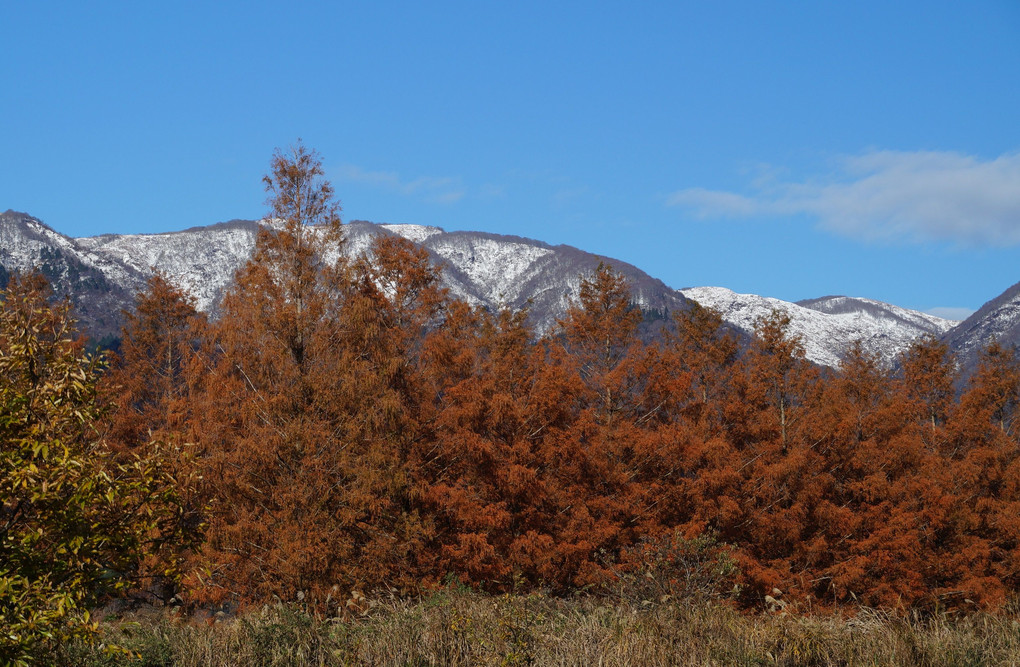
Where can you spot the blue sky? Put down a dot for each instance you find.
(790, 149)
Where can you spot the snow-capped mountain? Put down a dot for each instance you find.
(999, 319)
(101, 274)
(202, 260)
(828, 325)
(493, 270)
(98, 287)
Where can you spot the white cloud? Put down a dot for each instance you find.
(715, 203)
(433, 189)
(889, 195)
(352, 173)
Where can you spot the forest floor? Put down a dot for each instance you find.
(454, 627)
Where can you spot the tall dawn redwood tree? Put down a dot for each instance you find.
(259, 428)
(292, 255)
(596, 458)
(301, 418)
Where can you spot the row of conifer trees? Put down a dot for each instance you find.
(344, 424)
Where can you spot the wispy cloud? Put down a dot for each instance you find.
(433, 189)
(451, 197)
(492, 191)
(567, 196)
(888, 195)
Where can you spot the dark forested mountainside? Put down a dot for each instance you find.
(97, 287)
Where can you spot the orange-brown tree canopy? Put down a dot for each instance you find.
(358, 428)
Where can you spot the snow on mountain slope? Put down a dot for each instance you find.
(842, 305)
(997, 320)
(828, 325)
(494, 270)
(103, 273)
(201, 260)
(99, 288)
(495, 267)
(416, 233)
(26, 243)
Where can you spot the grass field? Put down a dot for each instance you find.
(463, 628)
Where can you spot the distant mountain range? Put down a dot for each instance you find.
(830, 324)
(102, 274)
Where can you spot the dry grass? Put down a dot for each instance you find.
(458, 628)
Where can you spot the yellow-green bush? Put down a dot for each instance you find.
(73, 523)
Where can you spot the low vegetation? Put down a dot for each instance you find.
(455, 627)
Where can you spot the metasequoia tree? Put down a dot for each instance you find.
(487, 486)
(701, 349)
(984, 474)
(412, 312)
(302, 414)
(599, 331)
(149, 382)
(776, 378)
(926, 386)
(988, 408)
(924, 493)
(151, 389)
(860, 542)
(696, 472)
(599, 456)
(776, 463)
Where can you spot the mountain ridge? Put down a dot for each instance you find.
(998, 319)
(483, 268)
(828, 325)
(101, 274)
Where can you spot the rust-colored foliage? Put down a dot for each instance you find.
(308, 415)
(485, 479)
(985, 472)
(358, 428)
(149, 383)
(926, 387)
(596, 459)
(153, 397)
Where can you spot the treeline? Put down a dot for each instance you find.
(345, 426)
(356, 428)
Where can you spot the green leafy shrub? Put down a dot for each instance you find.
(73, 523)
